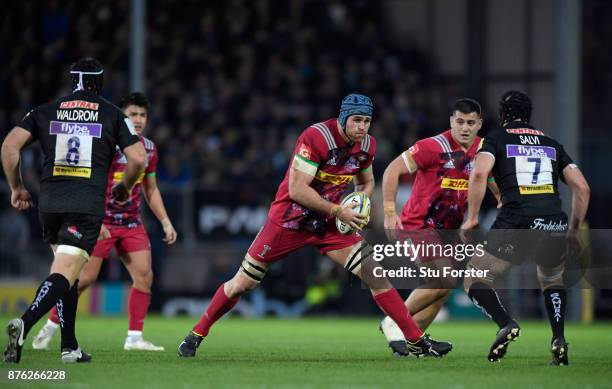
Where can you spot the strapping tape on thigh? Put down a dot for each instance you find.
(72, 250)
(356, 256)
(253, 271)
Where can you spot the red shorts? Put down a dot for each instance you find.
(274, 242)
(124, 239)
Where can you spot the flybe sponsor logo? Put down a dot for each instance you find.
(335, 179)
(78, 104)
(81, 129)
(78, 114)
(454, 183)
(531, 151)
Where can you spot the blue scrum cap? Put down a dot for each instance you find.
(354, 104)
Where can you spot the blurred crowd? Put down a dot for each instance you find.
(232, 83)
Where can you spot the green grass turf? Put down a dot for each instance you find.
(309, 353)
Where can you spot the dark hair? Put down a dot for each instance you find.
(467, 105)
(514, 105)
(137, 99)
(87, 74)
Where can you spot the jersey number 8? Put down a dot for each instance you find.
(72, 156)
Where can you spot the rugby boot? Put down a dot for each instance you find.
(505, 335)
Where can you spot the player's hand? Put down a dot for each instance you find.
(392, 224)
(169, 231)
(104, 233)
(120, 193)
(21, 199)
(574, 245)
(467, 225)
(350, 217)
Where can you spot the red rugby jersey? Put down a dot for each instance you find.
(128, 214)
(333, 162)
(439, 194)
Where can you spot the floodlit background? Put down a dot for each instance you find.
(233, 83)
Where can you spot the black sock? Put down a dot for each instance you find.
(485, 298)
(66, 312)
(49, 291)
(555, 300)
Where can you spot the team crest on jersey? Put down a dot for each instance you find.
(363, 157)
(352, 163)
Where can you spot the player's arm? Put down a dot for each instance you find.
(154, 199)
(136, 156)
(14, 142)
(581, 193)
(483, 164)
(364, 181)
(403, 164)
(492, 185)
(300, 191)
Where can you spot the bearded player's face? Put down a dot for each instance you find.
(464, 127)
(357, 127)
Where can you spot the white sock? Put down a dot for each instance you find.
(51, 325)
(391, 330)
(133, 335)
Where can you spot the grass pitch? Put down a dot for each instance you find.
(313, 353)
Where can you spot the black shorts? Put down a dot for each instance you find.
(518, 238)
(72, 229)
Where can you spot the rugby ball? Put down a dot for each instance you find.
(363, 208)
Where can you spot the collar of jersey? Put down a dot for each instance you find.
(340, 140)
(517, 124)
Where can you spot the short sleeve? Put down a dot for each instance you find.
(564, 158)
(126, 134)
(423, 154)
(28, 123)
(310, 150)
(488, 145)
(152, 165)
(370, 147)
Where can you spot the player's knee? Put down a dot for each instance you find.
(143, 280)
(469, 281)
(550, 276)
(443, 293)
(488, 268)
(239, 286)
(85, 282)
(69, 261)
